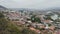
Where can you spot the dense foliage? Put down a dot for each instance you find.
(27, 31)
(35, 19)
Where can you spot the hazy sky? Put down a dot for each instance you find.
(30, 3)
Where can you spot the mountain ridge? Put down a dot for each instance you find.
(2, 7)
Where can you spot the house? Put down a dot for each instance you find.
(29, 22)
(33, 25)
(58, 31)
(19, 22)
(13, 16)
(47, 21)
(52, 28)
(32, 28)
(54, 17)
(40, 25)
(36, 30)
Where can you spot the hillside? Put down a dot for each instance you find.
(7, 27)
(2, 8)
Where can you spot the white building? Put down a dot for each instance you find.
(54, 17)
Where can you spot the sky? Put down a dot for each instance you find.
(30, 3)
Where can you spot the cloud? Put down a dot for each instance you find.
(30, 3)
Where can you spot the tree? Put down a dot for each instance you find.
(1, 15)
(48, 17)
(3, 22)
(35, 19)
(31, 13)
(6, 27)
(28, 31)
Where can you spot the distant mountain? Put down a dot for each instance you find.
(2, 8)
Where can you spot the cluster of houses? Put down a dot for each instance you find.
(46, 24)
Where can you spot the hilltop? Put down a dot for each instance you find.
(2, 7)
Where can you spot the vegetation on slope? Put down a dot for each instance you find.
(7, 27)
